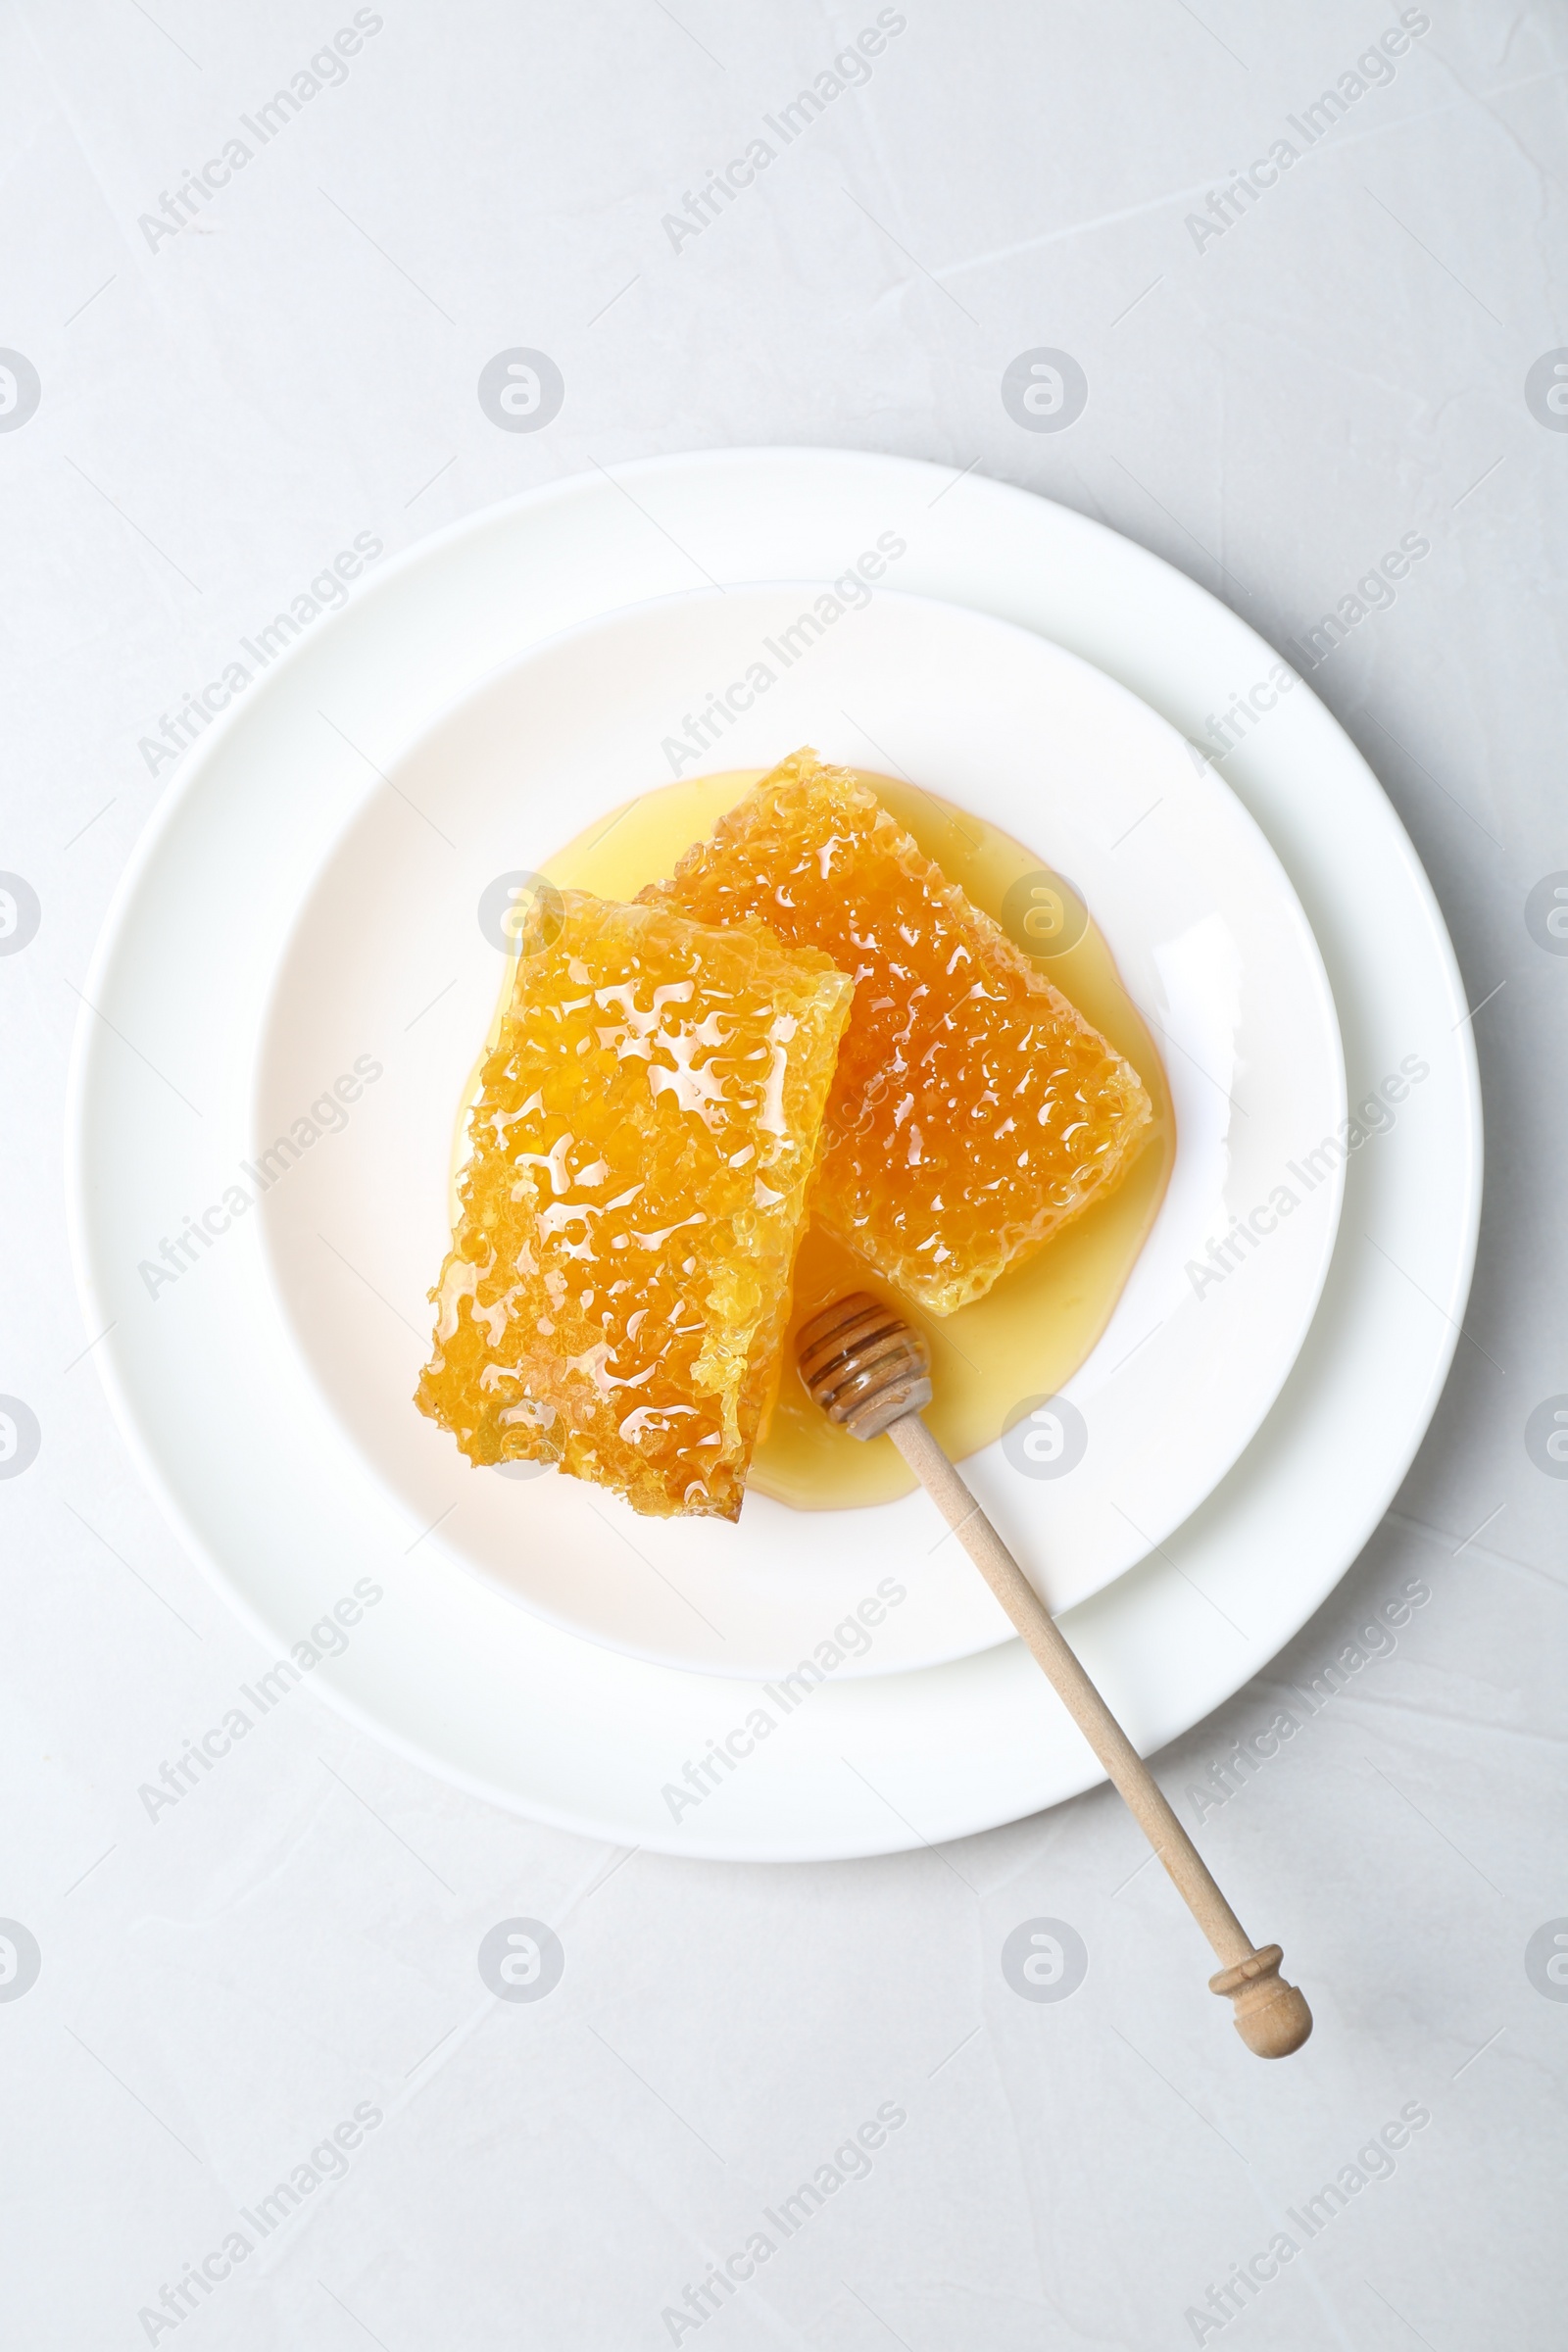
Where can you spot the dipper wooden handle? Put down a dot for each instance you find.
(871, 1372)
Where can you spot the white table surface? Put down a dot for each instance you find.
(1271, 408)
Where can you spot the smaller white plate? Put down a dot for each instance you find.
(387, 963)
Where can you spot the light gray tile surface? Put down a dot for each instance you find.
(1271, 408)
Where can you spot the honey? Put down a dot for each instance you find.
(974, 1111)
(1038, 1323)
(648, 1123)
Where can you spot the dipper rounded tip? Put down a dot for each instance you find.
(1271, 2017)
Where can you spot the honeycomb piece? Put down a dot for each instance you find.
(974, 1111)
(617, 1293)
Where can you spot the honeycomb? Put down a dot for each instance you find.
(649, 1122)
(974, 1111)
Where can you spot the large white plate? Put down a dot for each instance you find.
(1210, 940)
(282, 1507)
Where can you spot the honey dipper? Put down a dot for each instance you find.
(870, 1372)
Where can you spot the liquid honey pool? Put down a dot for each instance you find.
(1031, 1332)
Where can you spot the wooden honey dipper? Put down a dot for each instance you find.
(870, 1372)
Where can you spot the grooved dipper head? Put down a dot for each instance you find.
(863, 1364)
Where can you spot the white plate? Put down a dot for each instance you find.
(1211, 943)
(281, 1508)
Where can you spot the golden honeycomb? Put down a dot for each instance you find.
(648, 1126)
(974, 1111)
